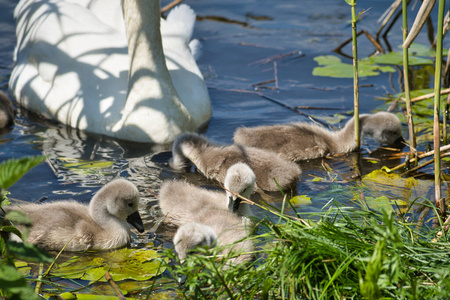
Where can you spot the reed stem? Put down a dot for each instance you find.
(440, 202)
(355, 74)
(409, 117)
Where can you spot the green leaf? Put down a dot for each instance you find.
(11, 229)
(135, 264)
(300, 200)
(18, 217)
(13, 169)
(396, 58)
(332, 66)
(28, 252)
(13, 285)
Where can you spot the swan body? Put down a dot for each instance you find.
(6, 111)
(214, 160)
(86, 65)
(300, 141)
(103, 224)
(183, 202)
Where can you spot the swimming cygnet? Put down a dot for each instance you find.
(6, 111)
(183, 202)
(219, 228)
(100, 225)
(299, 141)
(214, 160)
(192, 235)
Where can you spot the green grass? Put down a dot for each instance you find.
(345, 253)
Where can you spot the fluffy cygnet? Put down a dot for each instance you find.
(192, 235)
(218, 227)
(103, 224)
(299, 141)
(214, 160)
(183, 202)
(6, 111)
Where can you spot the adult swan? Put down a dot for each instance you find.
(72, 65)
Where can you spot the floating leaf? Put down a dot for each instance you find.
(84, 166)
(394, 187)
(135, 264)
(396, 58)
(300, 200)
(317, 179)
(332, 66)
(383, 202)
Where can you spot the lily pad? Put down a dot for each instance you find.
(134, 264)
(332, 66)
(395, 187)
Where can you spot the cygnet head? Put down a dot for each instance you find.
(240, 179)
(121, 199)
(192, 235)
(383, 127)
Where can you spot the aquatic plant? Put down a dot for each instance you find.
(341, 252)
(12, 284)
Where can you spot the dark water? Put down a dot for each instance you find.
(236, 36)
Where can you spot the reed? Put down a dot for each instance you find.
(409, 117)
(440, 202)
(352, 3)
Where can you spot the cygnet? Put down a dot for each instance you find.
(300, 141)
(6, 111)
(103, 224)
(214, 160)
(218, 228)
(183, 202)
(192, 235)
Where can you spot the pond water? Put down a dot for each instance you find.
(240, 41)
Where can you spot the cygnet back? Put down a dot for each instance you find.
(6, 111)
(214, 160)
(301, 141)
(103, 224)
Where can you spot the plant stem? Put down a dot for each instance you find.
(409, 117)
(440, 202)
(355, 75)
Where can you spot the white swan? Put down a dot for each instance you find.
(299, 141)
(98, 226)
(72, 65)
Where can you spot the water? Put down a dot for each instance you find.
(236, 36)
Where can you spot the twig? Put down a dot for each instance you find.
(170, 5)
(387, 15)
(263, 82)
(377, 46)
(420, 156)
(275, 74)
(278, 56)
(114, 286)
(427, 96)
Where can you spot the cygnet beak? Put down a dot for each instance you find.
(399, 143)
(135, 220)
(233, 205)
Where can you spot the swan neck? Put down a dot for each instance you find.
(147, 62)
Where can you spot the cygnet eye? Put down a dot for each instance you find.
(130, 204)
